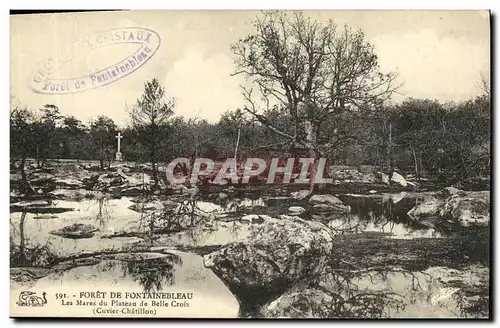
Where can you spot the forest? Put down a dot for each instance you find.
(423, 137)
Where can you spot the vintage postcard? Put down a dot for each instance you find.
(250, 164)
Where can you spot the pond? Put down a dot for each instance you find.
(120, 232)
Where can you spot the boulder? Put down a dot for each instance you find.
(299, 304)
(15, 177)
(150, 206)
(471, 209)
(329, 209)
(275, 255)
(324, 199)
(449, 191)
(299, 195)
(116, 181)
(463, 208)
(296, 210)
(425, 209)
(353, 176)
(68, 183)
(41, 177)
(399, 179)
(254, 218)
(328, 204)
(76, 231)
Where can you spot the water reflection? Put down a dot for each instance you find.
(152, 274)
(386, 214)
(103, 214)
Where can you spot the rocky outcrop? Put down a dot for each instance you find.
(38, 206)
(147, 206)
(76, 231)
(300, 195)
(299, 304)
(278, 253)
(68, 183)
(296, 210)
(118, 181)
(471, 209)
(396, 179)
(324, 204)
(353, 176)
(454, 206)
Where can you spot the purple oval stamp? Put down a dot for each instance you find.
(148, 42)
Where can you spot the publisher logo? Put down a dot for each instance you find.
(31, 299)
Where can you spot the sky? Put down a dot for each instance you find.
(437, 54)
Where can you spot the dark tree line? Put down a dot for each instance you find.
(428, 138)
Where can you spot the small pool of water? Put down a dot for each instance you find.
(108, 216)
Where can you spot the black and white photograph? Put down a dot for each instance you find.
(250, 164)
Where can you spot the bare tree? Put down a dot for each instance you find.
(485, 84)
(312, 72)
(148, 116)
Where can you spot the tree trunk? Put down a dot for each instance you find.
(101, 154)
(22, 250)
(311, 142)
(28, 189)
(420, 163)
(154, 165)
(391, 154)
(237, 143)
(417, 172)
(38, 156)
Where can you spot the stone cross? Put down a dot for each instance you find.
(118, 153)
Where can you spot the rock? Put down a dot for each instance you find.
(463, 208)
(223, 196)
(296, 210)
(38, 207)
(118, 181)
(471, 209)
(68, 183)
(449, 191)
(76, 231)
(170, 206)
(250, 204)
(15, 177)
(324, 199)
(425, 209)
(75, 194)
(129, 191)
(41, 177)
(299, 195)
(395, 198)
(384, 178)
(328, 203)
(399, 179)
(298, 304)
(467, 286)
(254, 218)
(44, 217)
(353, 176)
(275, 255)
(151, 206)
